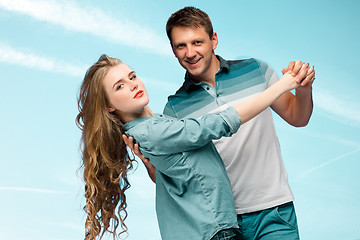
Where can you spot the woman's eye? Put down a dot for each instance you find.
(119, 86)
(133, 77)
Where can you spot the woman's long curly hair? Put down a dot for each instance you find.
(105, 159)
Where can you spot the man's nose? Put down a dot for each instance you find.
(190, 52)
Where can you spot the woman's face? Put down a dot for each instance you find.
(126, 92)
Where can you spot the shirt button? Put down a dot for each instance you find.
(217, 95)
(207, 88)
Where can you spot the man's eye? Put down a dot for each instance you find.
(133, 77)
(197, 42)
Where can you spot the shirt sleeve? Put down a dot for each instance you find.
(175, 136)
(168, 110)
(270, 75)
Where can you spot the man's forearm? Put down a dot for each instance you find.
(302, 107)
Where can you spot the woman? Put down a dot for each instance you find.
(194, 199)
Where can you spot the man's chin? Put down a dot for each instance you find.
(194, 74)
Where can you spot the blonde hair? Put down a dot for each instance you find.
(105, 159)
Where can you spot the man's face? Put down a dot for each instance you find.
(194, 50)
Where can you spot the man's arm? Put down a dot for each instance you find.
(135, 148)
(297, 109)
(129, 141)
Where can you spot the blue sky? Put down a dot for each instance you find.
(46, 47)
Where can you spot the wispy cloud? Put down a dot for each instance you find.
(93, 21)
(11, 55)
(31, 60)
(166, 86)
(344, 110)
(338, 140)
(307, 172)
(34, 190)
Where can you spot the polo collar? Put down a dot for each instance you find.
(189, 83)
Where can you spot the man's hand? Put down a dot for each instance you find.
(295, 67)
(135, 148)
(297, 109)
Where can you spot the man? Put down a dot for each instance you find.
(252, 157)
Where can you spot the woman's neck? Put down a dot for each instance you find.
(146, 112)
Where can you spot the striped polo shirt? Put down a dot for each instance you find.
(252, 156)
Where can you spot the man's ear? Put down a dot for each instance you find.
(214, 40)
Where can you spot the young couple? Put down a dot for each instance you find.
(213, 181)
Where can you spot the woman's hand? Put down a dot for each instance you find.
(305, 80)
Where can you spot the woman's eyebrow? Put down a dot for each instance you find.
(131, 73)
(120, 80)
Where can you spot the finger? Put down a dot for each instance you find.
(137, 151)
(309, 76)
(284, 70)
(296, 68)
(130, 143)
(125, 138)
(291, 66)
(302, 72)
(309, 79)
(310, 70)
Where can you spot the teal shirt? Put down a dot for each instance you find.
(194, 199)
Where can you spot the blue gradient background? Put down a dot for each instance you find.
(46, 47)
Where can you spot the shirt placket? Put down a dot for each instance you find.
(212, 91)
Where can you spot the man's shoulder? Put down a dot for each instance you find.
(241, 63)
(248, 65)
(237, 61)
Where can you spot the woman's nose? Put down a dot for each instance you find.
(133, 85)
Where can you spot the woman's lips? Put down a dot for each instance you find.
(139, 94)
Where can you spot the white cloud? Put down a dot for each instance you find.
(90, 20)
(30, 60)
(36, 190)
(309, 171)
(166, 86)
(337, 140)
(343, 109)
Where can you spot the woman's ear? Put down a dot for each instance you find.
(110, 109)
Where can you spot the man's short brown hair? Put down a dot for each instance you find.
(189, 17)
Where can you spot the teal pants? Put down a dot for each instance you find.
(275, 223)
